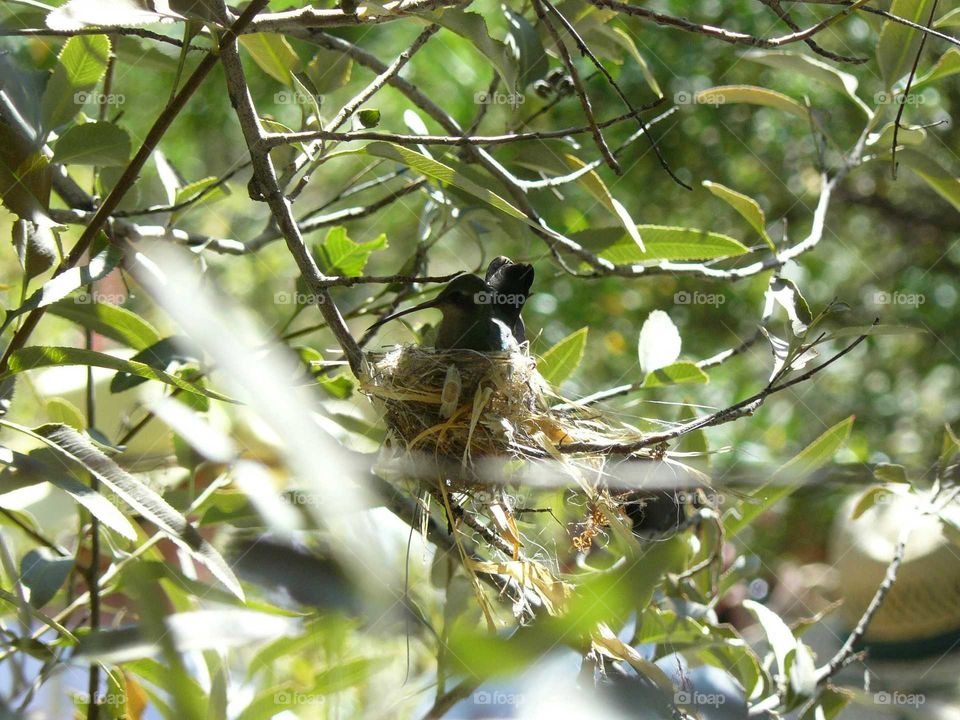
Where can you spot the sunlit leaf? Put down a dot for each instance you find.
(273, 54)
(81, 64)
(95, 143)
(898, 44)
(752, 95)
(560, 361)
(659, 343)
(748, 208)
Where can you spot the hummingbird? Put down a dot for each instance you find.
(469, 322)
(511, 283)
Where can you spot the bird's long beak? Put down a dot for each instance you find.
(393, 316)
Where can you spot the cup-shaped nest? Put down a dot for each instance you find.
(456, 405)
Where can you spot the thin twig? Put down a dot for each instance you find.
(906, 93)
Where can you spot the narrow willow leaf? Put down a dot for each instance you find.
(898, 44)
(752, 95)
(58, 287)
(76, 448)
(947, 65)
(473, 27)
(560, 361)
(111, 321)
(813, 68)
(595, 185)
(43, 573)
(39, 356)
(661, 242)
(675, 374)
(94, 502)
(748, 208)
(789, 477)
(941, 180)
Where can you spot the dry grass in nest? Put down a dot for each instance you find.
(461, 406)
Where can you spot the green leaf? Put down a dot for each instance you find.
(949, 19)
(473, 27)
(876, 494)
(145, 501)
(908, 135)
(523, 39)
(97, 143)
(339, 255)
(829, 704)
(752, 95)
(890, 473)
(788, 478)
(65, 412)
(329, 70)
(369, 117)
(748, 208)
(273, 54)
(947, 65)
(941, 180)
(814, 68)
(58, 287)
(43, 573)
(661, 242)
(675, 374)
(595, 185)
(898, 44)
(160, 355)
(195, 188)
(31, 358)
(438, 171)
(36, 249)
(33, 470)
(560, 361)
(111, 321)
(81, 64)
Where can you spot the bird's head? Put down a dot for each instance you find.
(464, 294)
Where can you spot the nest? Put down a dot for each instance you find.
(459, 407)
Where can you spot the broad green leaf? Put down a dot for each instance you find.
(890, 473)
(78, 449)
(947, 65)
(339, 255)
(81, 64)
(96, 143)
(898, 44)
(36, 249)
(273, 54)
(438, 171)
(748, 208)
(44, 573)
(942, 181)
(788, 478)
(38, 470)
(560, 361)
(675, 374)
(661, 242)
(595, 185)
(160, 355)
(659, 344)
(907, 135)
(795, 663)
(58, 287)
(752, 95)
(369, 117)
(31, 358)
(111, 321)
(813, 68)
(25, 182)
